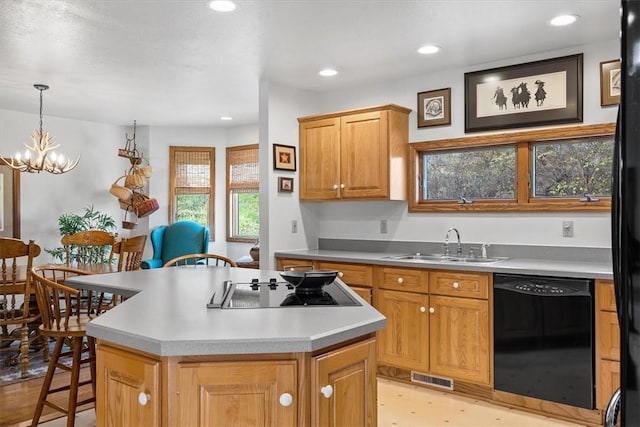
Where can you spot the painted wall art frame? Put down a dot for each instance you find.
(434, 108)
(10, 206)
(539, 93)
(284, 157)
(285, 185)
(610, 82)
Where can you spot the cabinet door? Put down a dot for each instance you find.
(320, 159)
(364, 155)
(459, 338)
(343, 387)
(128, 389)
(608, 382)
(608, 339)
(365, 293)
(404, 341)
(236, 393)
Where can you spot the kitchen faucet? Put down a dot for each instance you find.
(446, 242)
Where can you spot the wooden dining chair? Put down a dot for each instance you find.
(207, 260)
(19, 317)
(88, 247)
(129, 252)
(65, 321)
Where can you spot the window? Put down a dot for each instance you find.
(563, 169)
(191, 185)
(243, 204)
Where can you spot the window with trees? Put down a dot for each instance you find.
(562, 169)
(191, 185)
(243, 204)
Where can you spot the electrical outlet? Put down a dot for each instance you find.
(567, 228)
(294, 226)
(383, 226)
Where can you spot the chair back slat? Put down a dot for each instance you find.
(15, 281)
(195, 260)
(129, 252)
(88, 247)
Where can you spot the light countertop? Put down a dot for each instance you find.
(167, 315)
(539, 266)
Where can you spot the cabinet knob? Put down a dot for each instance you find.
(456, 285)
(143, 398)
(340, 274)
(422, 309)
(432, 310)
(341, 185)
(286, 399)
(327, 391)
(335, 186)
(400, 280)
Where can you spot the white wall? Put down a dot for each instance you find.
(361, 220)
(44, 197)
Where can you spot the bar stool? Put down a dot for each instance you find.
(65, 314)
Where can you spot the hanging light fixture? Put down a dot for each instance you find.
(40, 156)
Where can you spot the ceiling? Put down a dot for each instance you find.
(177, 63)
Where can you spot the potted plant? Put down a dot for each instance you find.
(71, 223)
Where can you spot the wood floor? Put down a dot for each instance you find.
(18, 401)
(399, 405)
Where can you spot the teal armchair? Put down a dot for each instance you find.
(177, 239)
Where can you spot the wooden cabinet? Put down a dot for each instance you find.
(359, 277)
(255, 393)
(128, 389)
(607, 343)
(343, 387)
(293, 263)
(357, 154)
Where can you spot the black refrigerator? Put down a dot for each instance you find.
(625, 215)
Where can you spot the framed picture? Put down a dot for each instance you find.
(10, 206)
(610, 80)
(285, 185)
(434, 108)
(284, 157)
(537, 93)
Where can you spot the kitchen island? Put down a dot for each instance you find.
(164, 358)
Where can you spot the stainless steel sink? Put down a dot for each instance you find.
(444, 258)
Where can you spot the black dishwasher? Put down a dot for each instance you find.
(543, 338)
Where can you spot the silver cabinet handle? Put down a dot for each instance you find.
(327, 391)
(286, 399)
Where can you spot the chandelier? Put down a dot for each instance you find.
(40, 157)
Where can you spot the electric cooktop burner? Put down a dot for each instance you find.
(276, 294)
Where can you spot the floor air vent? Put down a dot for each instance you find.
(417, 377)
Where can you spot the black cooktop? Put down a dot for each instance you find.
(277, 294)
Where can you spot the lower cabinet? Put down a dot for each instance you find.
(343, 383)
(128, 389)
(262, 393)
(607, 344)
(332, 388)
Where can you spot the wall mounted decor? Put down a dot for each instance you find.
(434, 108)
(10, 198)
(284, 157)
(532, 94)
(285, 185)
(610, 79)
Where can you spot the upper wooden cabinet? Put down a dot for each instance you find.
(356, 154)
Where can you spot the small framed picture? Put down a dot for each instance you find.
(610, 80)
(284, 157)
(434, 108)
(285, 185)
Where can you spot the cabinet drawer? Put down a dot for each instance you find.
(403, 279)
(459, 284)
(351, 274)
(605, 295)
(290, 262)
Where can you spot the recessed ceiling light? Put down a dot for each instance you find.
(428, 49)
(221, 5)
(227, 118)
(328, 72)
(562, 20)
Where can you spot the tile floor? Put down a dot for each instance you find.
(405, 405)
